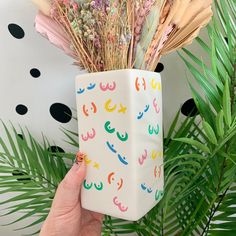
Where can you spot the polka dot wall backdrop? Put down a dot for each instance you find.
(37, 87)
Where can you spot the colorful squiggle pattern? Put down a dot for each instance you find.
(155, 105)
(122, 137)
(155, 85)
(153, 129)
(146, 159)
(120, 206)
(108, 86)
(121, 158)
(140, 82)
(89, 87)
(141, 113)
(145, 188)
(111, 178)
(158, 194)
(88, 186)
(87, 109)
(143, 157)
(89, 135)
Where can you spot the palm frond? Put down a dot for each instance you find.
(218, 125)
(31, 171)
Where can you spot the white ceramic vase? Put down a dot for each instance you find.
(120, 129)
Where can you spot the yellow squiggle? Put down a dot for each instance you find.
(155, 85)
(107, 106)
(87, 161)
(156, 154)
(122, 109)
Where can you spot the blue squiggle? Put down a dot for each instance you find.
(111, 147)
(91, 86)
(80, 91)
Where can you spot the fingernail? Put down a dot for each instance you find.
(80, 156)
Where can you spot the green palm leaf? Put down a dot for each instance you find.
(32, 172)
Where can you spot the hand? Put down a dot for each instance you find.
(67, 217)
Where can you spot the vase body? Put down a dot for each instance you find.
(120, 130)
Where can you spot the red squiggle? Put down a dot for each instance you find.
(86, 110)
(144, 83)
(94, 107)
(137, 84)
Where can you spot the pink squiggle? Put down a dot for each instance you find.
(118, 204)
(157, 109)
(108, 86)
(89, 135)
(144, 156)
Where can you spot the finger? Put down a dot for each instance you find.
(68, 191)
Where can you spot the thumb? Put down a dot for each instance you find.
(68, 191)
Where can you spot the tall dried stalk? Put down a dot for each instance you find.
(119, 34)
(77, 42)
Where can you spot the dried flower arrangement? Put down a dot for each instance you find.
(103, 35)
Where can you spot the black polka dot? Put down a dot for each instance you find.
(55, 149)
(35, 73)
(16, 31)
(20, 173)
(61, 112)
(159, 68)
(21, 109)
(189, 108)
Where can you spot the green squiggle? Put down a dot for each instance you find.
(87, 186)
(158, 195)
(150, 130)
(99, 188)
(122, 137)
(108, 128)
(156, 131)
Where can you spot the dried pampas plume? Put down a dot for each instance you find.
(107, 35)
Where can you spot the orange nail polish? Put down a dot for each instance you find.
(80, 156)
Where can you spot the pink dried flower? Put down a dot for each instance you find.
(97, 43)
(66, 2)
(75, 6)
(141, 14)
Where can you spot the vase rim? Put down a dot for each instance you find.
(114, 71)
